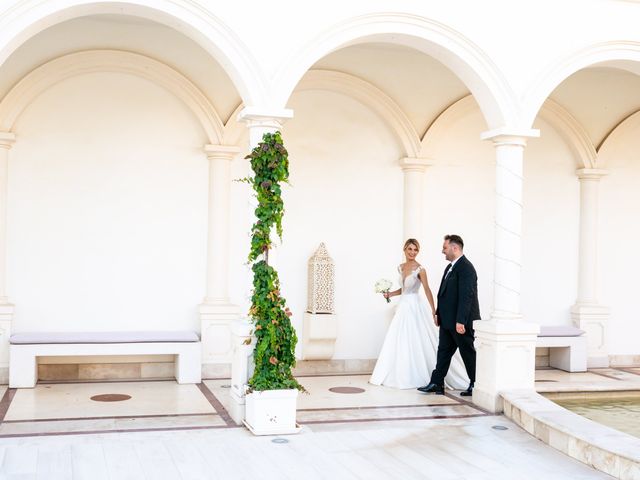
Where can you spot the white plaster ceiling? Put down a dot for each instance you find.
(121, 32)
(419, 84)
(599, 98)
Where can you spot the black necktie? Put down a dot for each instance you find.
(444, 278)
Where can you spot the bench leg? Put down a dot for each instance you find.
(188, 367)
(569, 359)
(23, 368)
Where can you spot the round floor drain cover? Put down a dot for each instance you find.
(500, 427)
(280, 440)
(346, 390)
(110, 397)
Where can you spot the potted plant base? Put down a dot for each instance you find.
(272, 412)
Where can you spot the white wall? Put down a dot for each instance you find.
(107, 209)
(618, 232)
(551, 222)
(346, 191)
(459, 199)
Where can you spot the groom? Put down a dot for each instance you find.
(457, 309)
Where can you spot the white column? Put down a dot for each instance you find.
(216, 311)
(505, 344)
(6, 308)
(413, 170)
(258, 122)
(587, 313)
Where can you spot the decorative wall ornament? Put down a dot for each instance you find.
(320, 324)
(321, 287)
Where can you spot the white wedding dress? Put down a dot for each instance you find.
(408, 354)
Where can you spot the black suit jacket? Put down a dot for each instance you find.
(458, 296)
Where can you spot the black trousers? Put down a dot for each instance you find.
(449, 342)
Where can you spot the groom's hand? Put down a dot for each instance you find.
(460, 328)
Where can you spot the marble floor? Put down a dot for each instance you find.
(159, 429)
(597, 379)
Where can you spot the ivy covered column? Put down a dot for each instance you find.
(258, 121)
(216, 310)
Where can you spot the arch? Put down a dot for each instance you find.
(67, 66)
(566, 125)
(29, 17)
(612, 54)
(465, 59)
(629, 124)
(443, 123)
(369, 96)
(572, 132)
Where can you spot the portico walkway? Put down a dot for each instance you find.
(172, 431)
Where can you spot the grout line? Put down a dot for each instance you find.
(215, 403)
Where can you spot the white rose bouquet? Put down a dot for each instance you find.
(383, 286)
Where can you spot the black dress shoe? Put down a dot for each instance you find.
(432, 388)
(468, 392)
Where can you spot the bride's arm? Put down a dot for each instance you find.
(425, 283)
(392, 294)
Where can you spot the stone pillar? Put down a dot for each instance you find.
(413, 169)
(506, 345)
(258, 122)
(6, 308)
(587, 313)
(216, 311)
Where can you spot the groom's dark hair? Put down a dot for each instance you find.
(457, 239)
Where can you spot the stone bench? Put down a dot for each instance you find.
(567, 347)
(24, 348)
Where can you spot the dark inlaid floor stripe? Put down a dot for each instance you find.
(215, 403)
(331, 409)
(604, 375)
(5, 403)
(124, 430)
(395, 419)
(118, 417)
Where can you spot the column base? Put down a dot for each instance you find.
(319, 334)
(593, 319)
(6, 317)
(215, 328)
(506, 357)
(242, 365)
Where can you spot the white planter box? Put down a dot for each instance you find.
(272, 412)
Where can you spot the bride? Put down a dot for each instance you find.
(408, 353)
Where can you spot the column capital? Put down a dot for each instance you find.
(591, 173)
(7, 139)
(224, 152)
(510, 136)
(414, 164)
(255, 116)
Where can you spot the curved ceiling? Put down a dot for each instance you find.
(121, 32)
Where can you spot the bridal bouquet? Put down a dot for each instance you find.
(383, 286)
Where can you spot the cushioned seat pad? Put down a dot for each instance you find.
(30, 338)
(560, 331)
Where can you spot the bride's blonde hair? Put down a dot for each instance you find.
(411, 241)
